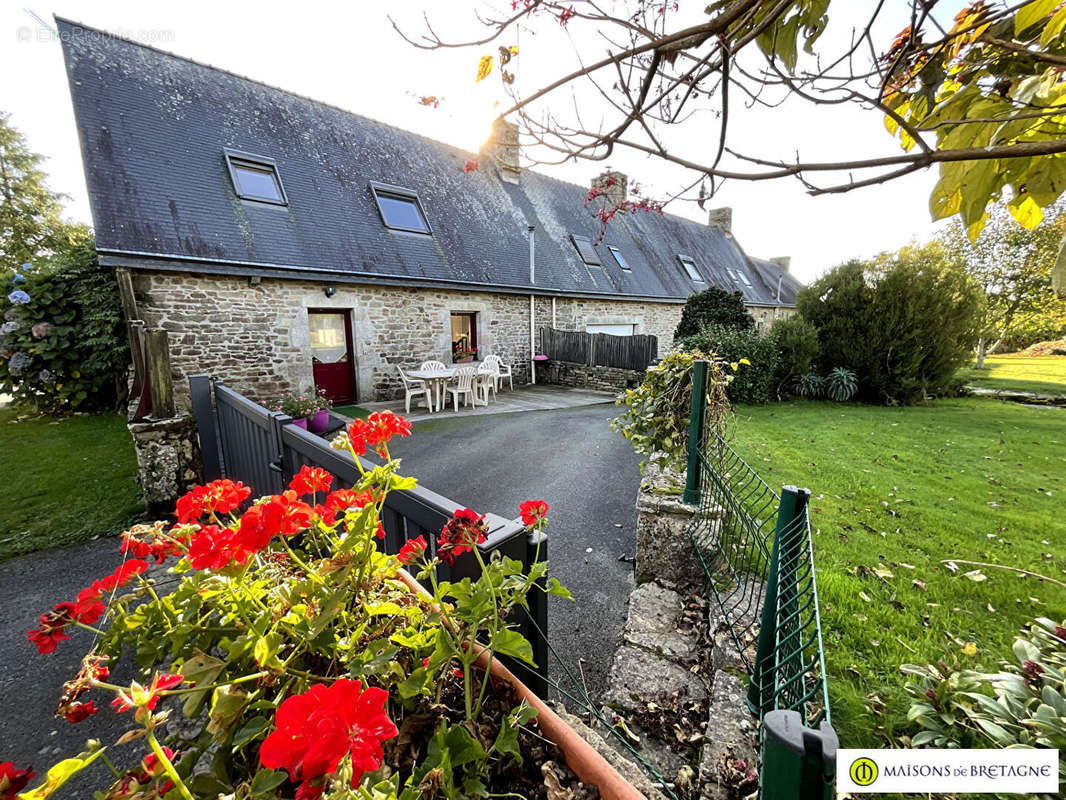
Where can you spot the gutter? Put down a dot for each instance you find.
(139, 260)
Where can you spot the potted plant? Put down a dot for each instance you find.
(309, 410)
(313, 665)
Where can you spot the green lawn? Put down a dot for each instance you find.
(895, 492)
(354, 412)
(1015, 372)
(65, 481)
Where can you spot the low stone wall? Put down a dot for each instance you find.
(582, 376)
(664, 552)
(168, 460)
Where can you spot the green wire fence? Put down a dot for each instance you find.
(754, 546)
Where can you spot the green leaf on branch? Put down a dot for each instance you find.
(266, 781)
(60, 774)
(200, 670)
(1032, 13)
(512, 643)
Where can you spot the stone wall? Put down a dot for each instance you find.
(765, 315)
(582, 376)
(256, 338)
(168, 460)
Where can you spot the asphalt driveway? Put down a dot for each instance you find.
(589, 476)
(568, 457)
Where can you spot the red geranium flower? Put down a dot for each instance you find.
(152, 766)
(138, 696)
(340, 500)
(285, 514)
(412, 551)
(52, 630)
(464, 530)
(533, 511)
(13, 781)
(213, 548)
(384, 425)
(316, 729)
(220, 497)
(77, 712)
(310, 480)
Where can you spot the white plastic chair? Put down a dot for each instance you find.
(413, 388)
(501, 370)
(486, 382)
(464, 386)
(433, 365)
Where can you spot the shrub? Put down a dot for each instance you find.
(62, 345)
(903, 323)
(811, 385)
(657, 412)
(841, 384)
(1022, 705)
(797, 348)
(713, 306)
(754, 381)
(298, 647)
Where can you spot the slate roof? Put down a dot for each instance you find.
(153, 127)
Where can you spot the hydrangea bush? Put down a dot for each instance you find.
(312, 669)
(62, 345)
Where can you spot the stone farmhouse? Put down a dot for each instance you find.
(282, 242)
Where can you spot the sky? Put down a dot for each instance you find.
(349, 55)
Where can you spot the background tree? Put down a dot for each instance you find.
(30, 223)
(713, 307)
(978, 93)
(904, 322)
(1013, 266)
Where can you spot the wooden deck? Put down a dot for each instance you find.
(523, 398)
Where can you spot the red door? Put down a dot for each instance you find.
(331, 354)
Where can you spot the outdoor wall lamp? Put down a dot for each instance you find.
(330, 290)
(255, 280)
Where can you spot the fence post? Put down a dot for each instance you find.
(203, 410)
(160, 380)
(798, 763)
(792, 507)
(697, 418)
(537, 550)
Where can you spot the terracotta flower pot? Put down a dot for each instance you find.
(580, 756)
(300, 423)
(319, 422)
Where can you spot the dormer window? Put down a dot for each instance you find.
(690, 268)
(255, 178)
(740, 277)
(400, 208)
(586, 250)
(621, 259)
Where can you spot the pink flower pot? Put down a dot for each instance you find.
(300, 423)
(319, 422)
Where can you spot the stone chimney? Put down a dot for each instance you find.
(613, 186)
(503, 148)
(782, 261)
(722, 219)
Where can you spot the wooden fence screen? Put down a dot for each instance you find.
(600, 349)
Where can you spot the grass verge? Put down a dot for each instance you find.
(65, 480)
(896, 492)
(1044, 375)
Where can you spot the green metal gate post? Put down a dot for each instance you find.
(789, 513)
(696, 421)
(798, 763)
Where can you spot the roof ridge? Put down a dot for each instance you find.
(306, 98)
